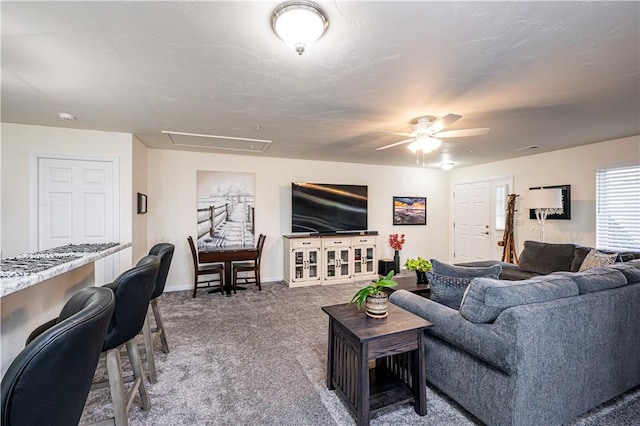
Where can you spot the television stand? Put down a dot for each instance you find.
(324, 259)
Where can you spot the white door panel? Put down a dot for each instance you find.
(472, 221)
(76, 205)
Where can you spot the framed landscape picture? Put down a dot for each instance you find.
(409, 210)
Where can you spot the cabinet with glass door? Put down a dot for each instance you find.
(303, 262)
(337, 260)
(364, 256)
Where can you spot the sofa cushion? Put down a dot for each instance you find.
(596, 259)
(545, 258)
(509, 270)
(596, 279)
(442, 268)
(486, 298)
(631, 273)
(634, 262)
(448, 283)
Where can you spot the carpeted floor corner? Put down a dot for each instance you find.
(259, 358)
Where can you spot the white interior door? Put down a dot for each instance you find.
(76, 205)
(472, 222)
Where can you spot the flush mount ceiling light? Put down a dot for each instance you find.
(66, 116)
(447, 166)
(299, 24)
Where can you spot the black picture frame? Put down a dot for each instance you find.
(142, 203)
(566, 203)
(409, 210)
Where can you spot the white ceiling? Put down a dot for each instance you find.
(553, 74)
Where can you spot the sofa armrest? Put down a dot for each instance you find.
(480, 340)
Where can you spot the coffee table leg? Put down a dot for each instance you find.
(330, 356)
(362, 387)
(420, 382)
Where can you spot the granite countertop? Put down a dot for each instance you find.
(28, 269)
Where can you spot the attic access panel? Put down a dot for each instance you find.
(225, 143)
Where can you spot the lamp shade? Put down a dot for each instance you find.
(299, 24)
(548, 198)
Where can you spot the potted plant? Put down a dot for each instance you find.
(421, 266)
(376, 301)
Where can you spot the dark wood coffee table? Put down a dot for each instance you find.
(409, 283)
(396, 343)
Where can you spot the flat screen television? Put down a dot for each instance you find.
(326, 208)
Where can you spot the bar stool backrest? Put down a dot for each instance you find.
(133, 289)
(48, 382)
(165, 252)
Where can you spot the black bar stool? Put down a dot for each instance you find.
(132, 290)
(48, 382)
(164, 251)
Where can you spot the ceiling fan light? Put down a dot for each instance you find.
(299, 24)
(425, 144)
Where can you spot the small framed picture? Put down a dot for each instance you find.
(409, 210)
(142, 203)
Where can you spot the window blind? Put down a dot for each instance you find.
(618, 208)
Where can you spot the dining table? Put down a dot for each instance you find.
(227, 255)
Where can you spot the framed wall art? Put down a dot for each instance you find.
(142, 203)
(566, 203)
(225, 208)
(409, 210)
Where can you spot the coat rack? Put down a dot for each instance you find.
(508, 244)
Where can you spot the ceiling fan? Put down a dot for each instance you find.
(427, 130)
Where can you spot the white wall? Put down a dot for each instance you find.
(575, 167)
(139, 221)
(172, 203)
(21, 142)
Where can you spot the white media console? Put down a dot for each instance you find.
(329, 258)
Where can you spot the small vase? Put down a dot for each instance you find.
(377, 305)
(422, 277)
(396, 259)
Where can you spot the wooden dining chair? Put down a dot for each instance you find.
(249, 267)
(201, 269)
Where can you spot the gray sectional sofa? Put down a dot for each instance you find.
(539, 351)
(539, 258)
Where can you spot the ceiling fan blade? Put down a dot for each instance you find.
(393, 133)
(395, 144)
(443, 122)
(462, 133)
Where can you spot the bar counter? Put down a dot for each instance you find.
(12, 284)
(35, 286)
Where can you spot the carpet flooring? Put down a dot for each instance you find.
(259, 358)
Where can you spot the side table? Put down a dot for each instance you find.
(395, 344)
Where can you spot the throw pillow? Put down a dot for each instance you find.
(447, 290)
(596, 259)
(545, 258)
(448, 283)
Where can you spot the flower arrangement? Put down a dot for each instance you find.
(396, 241)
